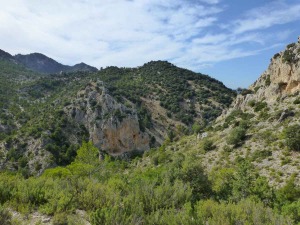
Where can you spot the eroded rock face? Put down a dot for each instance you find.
(281, 79)
(112, 127)
(282, 76)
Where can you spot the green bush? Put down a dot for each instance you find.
(251, 103)
(297, 101)
(5, 216)
(259, 106)
(208, 145)
(292, 137)
(268, 81)
(245, 212)
(236, 136)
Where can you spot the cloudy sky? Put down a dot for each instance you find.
(231, 40)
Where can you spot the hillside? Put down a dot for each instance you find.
(241, 168)
(43, 64)
(122, 110)
(261, 125)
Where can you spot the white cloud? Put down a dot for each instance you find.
(265, 17)
(130, 33)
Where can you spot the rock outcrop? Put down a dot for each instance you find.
(113, 127)
(281, 79)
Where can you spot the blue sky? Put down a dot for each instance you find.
(230, 40)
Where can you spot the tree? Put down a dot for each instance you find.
(87, 154)
(243, 181)
(87, 160)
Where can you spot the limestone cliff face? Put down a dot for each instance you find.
(111, 126)
(280, 80)
(283, 75)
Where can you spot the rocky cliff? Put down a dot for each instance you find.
(280, 80)
(113, 127)
(265, 113)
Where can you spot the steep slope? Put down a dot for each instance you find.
(112, 127)
(120, 109)
(262, 125)
(13, 77)
(170, 99)
(43, 64)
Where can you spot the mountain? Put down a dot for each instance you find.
(43, 64)
(261, 125)
(156, 144)
(124, 111)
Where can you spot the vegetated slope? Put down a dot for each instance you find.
(43, 64)
(170, 98)
(195, 180)
(120, 109)
(262, 125)
(162, 187)
(13, 77)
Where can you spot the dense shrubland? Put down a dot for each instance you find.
(161, 187)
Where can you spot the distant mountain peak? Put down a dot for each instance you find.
(5, 55)
(41, 63)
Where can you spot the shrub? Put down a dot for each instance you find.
(251, 103)
(288, 56)
(268, 81)
(297, 101)
(208, 145)
(245, 212)
(276, 55)
(290, 45)
(5, 216)
(236, 136)
(259, 106)
(292, 137)
(246, 92)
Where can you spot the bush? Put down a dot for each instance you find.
(245, 212)
(292, 137)
(208, 145)
(268, 81)
(236, 136)
(288, 56)
(259, 106)
(5, 216)
(297, 101)
(251, 103)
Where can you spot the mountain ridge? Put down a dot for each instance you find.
(41, 63)
(141, 108)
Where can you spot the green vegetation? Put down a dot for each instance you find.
(208, 145)
(268, 81)
(171, 86)
(175, 190)
(292, 137)
(260, 106)
(236, 136)
(288, 55)
(33, 106)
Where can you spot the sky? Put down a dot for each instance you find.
(230, 40)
